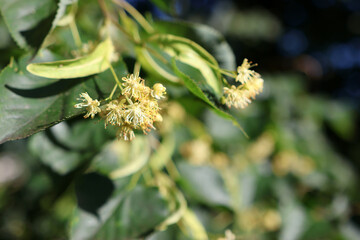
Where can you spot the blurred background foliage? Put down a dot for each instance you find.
(296, 177)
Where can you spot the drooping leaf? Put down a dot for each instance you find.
(29, 22)
(96, 62)
(29, 104)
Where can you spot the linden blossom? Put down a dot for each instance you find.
(136, 108)
(92, 106)
(252, 84)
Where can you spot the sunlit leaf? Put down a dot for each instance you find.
(96, 62)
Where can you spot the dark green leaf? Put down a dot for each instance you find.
(139, 213)
(29, 21)
(92, 191)
(30, 104)
(84, 224)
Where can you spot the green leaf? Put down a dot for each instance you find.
(92, 191)
(60, 160)
(64, 147)
(30, 104)
(166, 5)
(198, 46)
(141, 211)
(206, 37)
(87, 221)
(96, 62)
(157, 62)
(195, 61)
(192, 62)
(82, 135)
(204, 184)
(341, 119)
(121, 158)
(126, 215)
(28, 21)
(195, 88)
(171, 232)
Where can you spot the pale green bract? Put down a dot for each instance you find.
(96, 62)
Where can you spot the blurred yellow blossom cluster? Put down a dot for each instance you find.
(291, 162)
(251, 85)
(255, 219)
(136, 108)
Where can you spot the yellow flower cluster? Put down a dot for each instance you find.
(251, 85)
(290, 162)
(260, 219)
(137, 107)
(92, 106)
